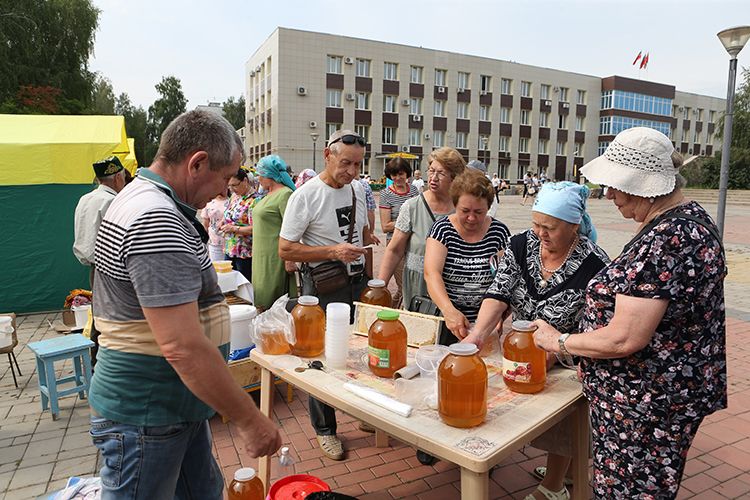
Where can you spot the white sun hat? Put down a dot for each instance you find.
(638, 161)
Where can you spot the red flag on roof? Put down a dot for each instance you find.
(638, 58)
(644, 62)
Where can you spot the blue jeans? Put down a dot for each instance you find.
(170, 461)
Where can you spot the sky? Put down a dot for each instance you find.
(206, 44)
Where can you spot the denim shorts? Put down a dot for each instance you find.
(162, 462)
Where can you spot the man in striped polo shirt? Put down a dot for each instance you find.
(165, 325)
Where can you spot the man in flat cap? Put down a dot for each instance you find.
(111, 176)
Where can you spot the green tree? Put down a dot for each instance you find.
(103, 96)
(46, 45)
(234, 111)
(170, 104)
(135, 123)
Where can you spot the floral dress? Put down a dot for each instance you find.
(239, 212)
(646, 408)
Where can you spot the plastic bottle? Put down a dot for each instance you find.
(309, 327)
(386, 344)
(246, 485)
(285, 459)
(462, 387)
(524, 364)
(376, 294)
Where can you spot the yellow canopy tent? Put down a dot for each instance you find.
(400, 154)
(129, 160)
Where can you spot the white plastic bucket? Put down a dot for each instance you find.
(81, 314)
(241, 316)
(428, 359)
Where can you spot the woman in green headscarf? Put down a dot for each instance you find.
(271, 274)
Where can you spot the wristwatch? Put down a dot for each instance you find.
(567, 358)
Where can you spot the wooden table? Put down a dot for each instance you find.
(512, 421)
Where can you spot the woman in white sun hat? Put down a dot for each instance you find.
(652, 341)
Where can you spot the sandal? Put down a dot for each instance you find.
(331, 447)
(550, 495)
(541, 471)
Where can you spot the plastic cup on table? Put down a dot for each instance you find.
(337, 335)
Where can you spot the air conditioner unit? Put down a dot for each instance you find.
(417, 118)
(460, 91)
(484, 92)
(348, 60)
(555, 89)
(405, 148)
(690, 151)
(252, 73)
(252, 106)
(548, 103)
(313, 124)
(441, 90)
(350, 97)
(566, 105)
(426, 136)
(680, 109)
(703, 152)
(405, 102)
(257, 69)
(301, 90)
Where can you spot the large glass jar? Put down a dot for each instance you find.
(376, 294)
(386, 344)
(524, 364)
(462, 386)
(309, 327)
(246, 485)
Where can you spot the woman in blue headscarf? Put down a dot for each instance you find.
(271, 278)
(543, 275)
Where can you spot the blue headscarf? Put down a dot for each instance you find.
(273, 167)
(566, 201)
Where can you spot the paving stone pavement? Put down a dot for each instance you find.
(37, 454)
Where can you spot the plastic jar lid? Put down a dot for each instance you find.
(244, 474)
(463, 349)
(388, 315)
(376, 283)
(308, 300)
(523, 326)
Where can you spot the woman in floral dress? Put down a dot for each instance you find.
(238, 223)
(652, 341)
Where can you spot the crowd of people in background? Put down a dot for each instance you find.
(644, 329)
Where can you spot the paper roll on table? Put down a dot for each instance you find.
(408, 371)
(379, 399)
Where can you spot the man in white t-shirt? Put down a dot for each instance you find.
(315, 230)
(418, 182)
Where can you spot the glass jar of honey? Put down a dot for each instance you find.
(386, 344)
(376, 294)
(309, 327)
(524, 364)
(462, 387)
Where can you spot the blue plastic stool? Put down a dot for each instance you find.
(75, 347)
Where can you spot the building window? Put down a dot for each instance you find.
(504, 145)
(711, 116)
(525, 117)
(390, 71)
(484, 140)
(544, 91)
(685, 113)
(506, 86)
(580, 96)
(613, 125)
(363, 131)
(542, 147)
(363, 67)
(334, 64)
(415, 105)
(696, 137)
(389, 103)
(463, 80)
(504, 115)
(700, 115)
(580, 123)
(578, 149)
(485, 83)
(523, 145)
(607, 99)
(484, 113)
(331, 128)
(441, 75)
(525, 89)
(461, 139)
(438, 138)
(641, 103)
(563, 94)
(561, 147)
(521, 171)
(562, 121)
(503, 170)
(389, 135)
(415, 137)
(333, 98)
(602, 147)
(544, 119)
(439, 108)
(462, 110)
(416, 74)
(363, 100)
(685, 135)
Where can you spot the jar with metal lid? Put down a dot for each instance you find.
(524, 364)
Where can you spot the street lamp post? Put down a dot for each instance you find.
(733, 39)
(314, 138)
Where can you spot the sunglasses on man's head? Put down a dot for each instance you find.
(349, 139)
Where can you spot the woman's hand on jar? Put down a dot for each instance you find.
(474, 337)
(546, 337)
(457, 323)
